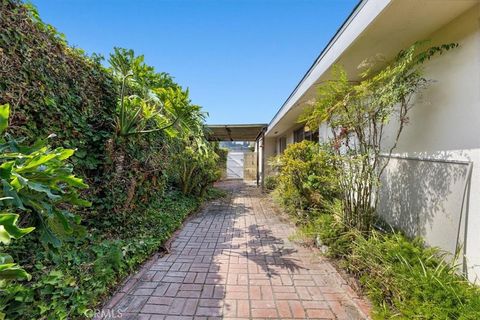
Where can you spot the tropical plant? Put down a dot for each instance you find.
(145, 104)
(39, 183)
(358, 113)
(9, 270)
(194, 166)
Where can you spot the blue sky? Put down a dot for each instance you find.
(240, 58)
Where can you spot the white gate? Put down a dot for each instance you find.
(235, 161)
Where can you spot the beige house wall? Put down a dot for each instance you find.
(444, 125)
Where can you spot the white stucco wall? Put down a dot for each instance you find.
(445, 124)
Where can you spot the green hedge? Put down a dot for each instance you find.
(53, 88)
(307, 181)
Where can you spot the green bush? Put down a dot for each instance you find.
(195, 166)
(222, 160)
(403, 279)
(307, 181)
(271, 182)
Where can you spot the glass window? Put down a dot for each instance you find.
(299, 135)
(282, 144)
(312, 135)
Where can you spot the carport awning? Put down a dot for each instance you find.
(235, 132)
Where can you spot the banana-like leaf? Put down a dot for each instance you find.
(9, 229)
(39, 187)
(63, 154)
(6, 169)
(12, 194)
(74, 181)
(38, 160)
(12, 271)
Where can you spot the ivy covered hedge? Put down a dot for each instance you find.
(53, 88)
(103, 192)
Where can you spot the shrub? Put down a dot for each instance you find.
(194, 166)
(402, 276)
(222, 159)
(358, 112)
(271, 182)
(306, 179)
(403, 279)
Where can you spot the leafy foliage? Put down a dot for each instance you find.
(402, 278)
(125, 137)
(271, 182)
(306, 180)
(53, 88)
(144, 110)
(36, 180)
(70, 284)
(154, 117)
(9, 270)
(194, 166)
(358, 113)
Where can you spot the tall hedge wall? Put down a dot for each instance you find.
(53, 88)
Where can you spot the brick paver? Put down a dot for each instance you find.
(233, 260)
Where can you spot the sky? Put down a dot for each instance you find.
(240, 59)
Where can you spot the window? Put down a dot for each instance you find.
(282, 144)
(312, 135)
(299, 135)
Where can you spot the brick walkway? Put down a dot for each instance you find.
(234, 260)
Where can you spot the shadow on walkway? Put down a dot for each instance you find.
(234, 260)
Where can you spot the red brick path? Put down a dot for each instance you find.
(234, 260)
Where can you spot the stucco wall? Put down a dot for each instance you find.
(270, 151)
(444, 124)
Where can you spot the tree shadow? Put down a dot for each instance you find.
(270, 253)
(424, 198)
(214, 249)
